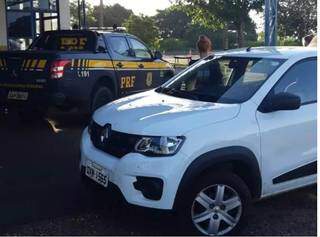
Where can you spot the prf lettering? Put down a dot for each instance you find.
(128, 82)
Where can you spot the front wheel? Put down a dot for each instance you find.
(216, 205)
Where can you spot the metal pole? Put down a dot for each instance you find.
(79, 14)
(266, 22)
(270, 27)
(84, 13)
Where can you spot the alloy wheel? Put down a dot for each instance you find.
(216, 210)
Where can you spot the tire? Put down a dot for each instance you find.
(101, 96)
(214, 211)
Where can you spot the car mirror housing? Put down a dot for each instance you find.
(281, 101)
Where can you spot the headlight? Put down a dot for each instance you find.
(159, 146)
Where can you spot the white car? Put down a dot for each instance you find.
(232, 128)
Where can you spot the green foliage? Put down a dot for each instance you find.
(115, 14)
(297, 18)
(289, 41)
(172, 22)
(222, 14)
(143, 27)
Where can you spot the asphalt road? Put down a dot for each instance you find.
(41, 194)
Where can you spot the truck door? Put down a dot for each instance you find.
(153, 72)
(125, 64)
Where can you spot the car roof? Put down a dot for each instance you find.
(281, 52)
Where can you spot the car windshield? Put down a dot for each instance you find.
(222, 80)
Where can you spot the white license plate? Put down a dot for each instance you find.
(18, 95)
(97, 173)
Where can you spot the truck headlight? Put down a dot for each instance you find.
(159, 146)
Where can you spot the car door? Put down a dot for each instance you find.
(125, 64)
(152, 72)
(289, 138)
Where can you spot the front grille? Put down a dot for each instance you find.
(118, 144)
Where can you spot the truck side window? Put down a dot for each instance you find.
(120, 46)
(140, 50)
(100, 42)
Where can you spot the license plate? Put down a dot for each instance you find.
(97, 173)
(18, 95)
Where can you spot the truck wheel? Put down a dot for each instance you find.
(215, 205)
(102, 96)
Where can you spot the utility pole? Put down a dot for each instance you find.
(101, 14)
(271, 25)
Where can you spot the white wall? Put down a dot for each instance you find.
(64, 14)
(3, 25)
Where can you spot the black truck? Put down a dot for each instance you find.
(78, 68)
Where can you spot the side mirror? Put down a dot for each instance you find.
(101, 49)
(281, 101)
(157, 55)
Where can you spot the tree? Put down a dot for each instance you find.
(223, 14)
(172, 22)
(143, 27)
(74, 14)
(112, 15)
(297, 18)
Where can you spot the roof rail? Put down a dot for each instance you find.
(109, 29)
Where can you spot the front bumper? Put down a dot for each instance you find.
(125, 172)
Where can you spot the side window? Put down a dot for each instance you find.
(120, 45)
(140, 50)
(100, 42)
(301, 80)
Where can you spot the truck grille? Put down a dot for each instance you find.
(118, 144)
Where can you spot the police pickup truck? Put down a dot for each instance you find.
(81, 69)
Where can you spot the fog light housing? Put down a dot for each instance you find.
(151, 188)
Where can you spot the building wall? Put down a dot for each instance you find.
(64, 14)
(3, 26)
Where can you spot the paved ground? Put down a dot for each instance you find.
(40, 192)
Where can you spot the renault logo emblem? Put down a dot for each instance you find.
(105, 133)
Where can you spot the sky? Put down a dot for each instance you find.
(146, 7)
(149, 7)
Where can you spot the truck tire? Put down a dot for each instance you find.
(203, 212)
(101, 96)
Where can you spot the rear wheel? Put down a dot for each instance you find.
(216, 205)
(101, 96)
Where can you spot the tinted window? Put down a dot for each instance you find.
(140, 50)
(70, 41)
(120, 45)
(222, 80)
(301, 80)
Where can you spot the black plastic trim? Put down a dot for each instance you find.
(303, 171)
(228, 155)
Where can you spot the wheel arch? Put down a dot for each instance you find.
(108, 81)
(239, 160)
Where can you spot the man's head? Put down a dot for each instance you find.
(204, 44)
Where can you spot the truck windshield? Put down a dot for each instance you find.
(65, 41)
(222, 80)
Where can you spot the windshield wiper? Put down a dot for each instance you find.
(179, 93)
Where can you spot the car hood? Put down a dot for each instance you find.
(156, 114)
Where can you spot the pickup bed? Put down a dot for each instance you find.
(84, 69)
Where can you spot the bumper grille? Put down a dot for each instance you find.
(118, 144)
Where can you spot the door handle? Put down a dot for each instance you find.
(119, 65)
(141, 66)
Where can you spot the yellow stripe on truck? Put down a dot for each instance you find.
(42, 64)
